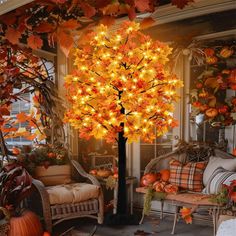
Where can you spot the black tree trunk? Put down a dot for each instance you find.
(122, 193)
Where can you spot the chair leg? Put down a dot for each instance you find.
(175, 219)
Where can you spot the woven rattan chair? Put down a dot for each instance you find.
(54, 214)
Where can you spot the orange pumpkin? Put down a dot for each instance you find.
(159, 186)
(46, 234)
(209, 51)
(104, 173)
(149, 179)
(234, 152)
(170, 188)
(211, 112)
(165, 175)
(226, 52)
(27, 224)
(211, 60)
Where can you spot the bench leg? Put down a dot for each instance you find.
(175, 219)
(162, 206)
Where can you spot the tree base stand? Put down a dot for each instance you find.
(122, 219)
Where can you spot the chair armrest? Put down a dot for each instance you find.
(39, 186)
(156, 160)
(84, 174)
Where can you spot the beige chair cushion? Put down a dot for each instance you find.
(216, 162)
(72, 193)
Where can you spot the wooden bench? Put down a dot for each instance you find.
(194, 152)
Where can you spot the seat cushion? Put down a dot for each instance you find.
(214, 163)
(187, 176)
(72, 193)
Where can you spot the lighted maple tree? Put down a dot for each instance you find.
(120, 90)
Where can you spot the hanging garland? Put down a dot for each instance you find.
(209, 95)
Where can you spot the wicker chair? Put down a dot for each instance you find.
(54, 214)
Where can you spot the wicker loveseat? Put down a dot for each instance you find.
(194, 152)
(53, 212)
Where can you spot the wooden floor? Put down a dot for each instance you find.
(152, 226)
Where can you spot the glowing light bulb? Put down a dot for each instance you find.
(74, 97)
(75, 79)
(136, 127)
(99, 115)
(144, 130)
(126, 129)
(83, 68)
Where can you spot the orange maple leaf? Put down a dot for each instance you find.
(142, 5)
(44, 27)
(147, 22)
(88, 10)
(107, 20)
(71, 24)
(16, 151)
(12, 35)
(22, 117)
(65, 41)
(34, 41)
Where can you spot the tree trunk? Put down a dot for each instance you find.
(122, 195)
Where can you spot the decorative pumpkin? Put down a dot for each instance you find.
(223, 109)
(211, 60)
(199, 85)
(165, 175)
(149, 179)
(196, 104)
(170, 188)
(46, 234)
(211, 112)
(203, 94)
(209, 51)
(159, 186)
(226, 52)
(232, 76)
(233, 86)
(104, 173)
(27, 224)
(234, 152)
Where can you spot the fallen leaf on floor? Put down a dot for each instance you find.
(141, 233)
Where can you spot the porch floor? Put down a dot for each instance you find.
(152, 226)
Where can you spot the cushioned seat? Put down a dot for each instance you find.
(72, 193)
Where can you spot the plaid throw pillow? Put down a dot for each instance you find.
(188, 176)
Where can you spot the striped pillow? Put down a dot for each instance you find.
(220, 176)
(188, 176)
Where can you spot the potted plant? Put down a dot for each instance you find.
(47, 163)
(15, 186)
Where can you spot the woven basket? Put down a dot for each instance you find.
(4, 223)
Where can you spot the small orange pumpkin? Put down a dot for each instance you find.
(226, 52)
(233, 196)
(211, 112)
(149, 179)
(165, 175)
(27, 224)
(209, 51)
(211, 60)
(170, 188)
(46, 234)
(234, 152)
(159, 186)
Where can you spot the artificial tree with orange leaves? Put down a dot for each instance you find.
(120, 90)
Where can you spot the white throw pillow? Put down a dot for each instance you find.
(214, 163)
(220, 176)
